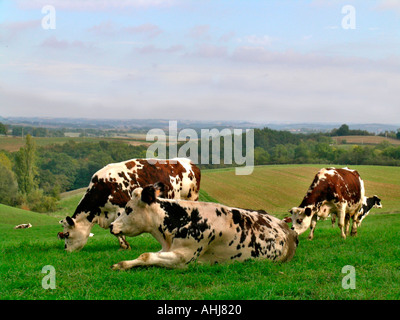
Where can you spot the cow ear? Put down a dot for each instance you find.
(148, 195)
(70, 221)
(307, 211)
(161, 189)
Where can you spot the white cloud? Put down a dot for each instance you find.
(251, 84)
(392, 5)
(200, 32)
(264, 40)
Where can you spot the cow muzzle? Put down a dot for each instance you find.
(114, 231)
(62, 235)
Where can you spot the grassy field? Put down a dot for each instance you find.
(314, 273)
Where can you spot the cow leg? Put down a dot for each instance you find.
(347, 223)
(333, 219)
(354, 227)
(341, 216)
(312, 226)
(161, 259)
(123, 243)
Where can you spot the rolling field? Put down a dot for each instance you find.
(314, 273)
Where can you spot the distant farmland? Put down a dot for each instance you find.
(12, 144)
(360, 140)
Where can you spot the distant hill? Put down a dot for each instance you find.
(14, 216)
(146, 124)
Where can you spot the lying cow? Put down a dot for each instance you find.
(111, 188)
(201, 231)
(23, 226)
(333, 191)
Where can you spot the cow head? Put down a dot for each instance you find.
(301, 218)
(137, 216)
(377, 202)
(76, 232)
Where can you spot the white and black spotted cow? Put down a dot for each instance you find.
(333, 191)
(201, 231)
(111, 188)
(368, 204)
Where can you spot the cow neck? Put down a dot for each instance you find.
(157, 231)
(82, 219)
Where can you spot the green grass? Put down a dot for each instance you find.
(314, 272)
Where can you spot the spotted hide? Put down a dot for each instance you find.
(334, 191)
(111, 188)
(201, 231)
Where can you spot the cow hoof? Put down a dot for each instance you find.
(118, 266)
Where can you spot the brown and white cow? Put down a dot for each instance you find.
(111, 188)
(333, 191)
(201, 231)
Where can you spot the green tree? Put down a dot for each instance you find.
(261, 156)
(344, 130)
(25, 166)
(5, 161)
(3, 129)
(8, 186)
(302, 153)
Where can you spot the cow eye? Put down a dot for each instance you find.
(299, 221)
(66, 235)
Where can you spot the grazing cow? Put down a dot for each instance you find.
(111, 188)
(368, 204)
(201, 231)
(335, 191)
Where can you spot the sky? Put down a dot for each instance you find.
(256, 60)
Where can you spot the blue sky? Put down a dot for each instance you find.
(267, 61)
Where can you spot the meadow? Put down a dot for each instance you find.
(314, 273)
